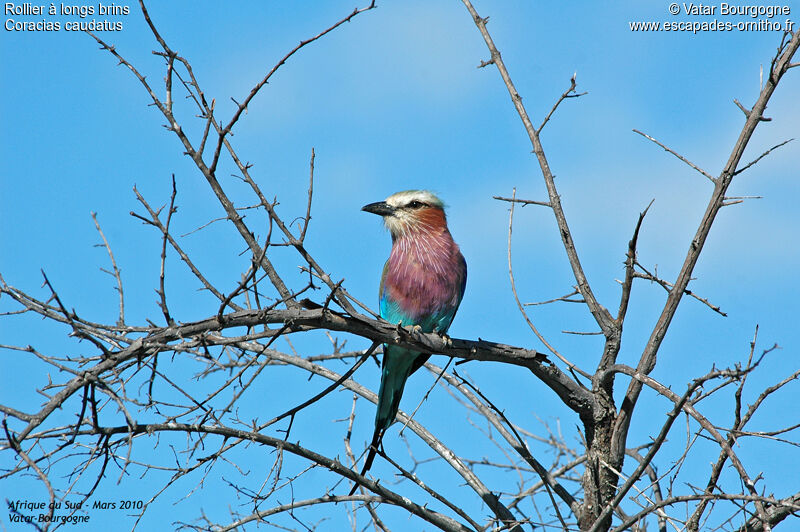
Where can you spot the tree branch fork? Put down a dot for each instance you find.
(606, 428)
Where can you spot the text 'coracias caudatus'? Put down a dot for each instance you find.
(422, 285)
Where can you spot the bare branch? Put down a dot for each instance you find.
(564, 299)
(387, 496)
(226, 203)
(601, 315)
(507, 430)
(243, 106)
(748, 112)
(520, 306)
(113, 391)
(161, 276)
(754, 161)
(14, 444)
(522, 201)
(569, 93)
(648, 358)
(116, 274)
(307, 217)
(678, 155)
(630, 261)
(666, 285)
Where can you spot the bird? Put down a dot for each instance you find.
(422, 286)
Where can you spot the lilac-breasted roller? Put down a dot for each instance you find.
(422, 285)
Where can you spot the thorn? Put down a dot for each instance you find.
(740, 106)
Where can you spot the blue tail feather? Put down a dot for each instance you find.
(398, 364)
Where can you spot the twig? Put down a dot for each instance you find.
(162, 293)
(520, 306)
(241, 107)
(666, 285)
(155, 221)
(70, 317)
(14, 444)
(564, 299)
(678, 155)
(307, 217)
(436, 495)
(648, 358)
(569, 93)
(385, 495)
(251, 274)
(754, 161)
(648, 458)
(522, 201)
(500, 422)
(748, 112)
(427, 394)
(346, 375)
(600, 313)
(226, 203)
(630, 262)
(116, 274)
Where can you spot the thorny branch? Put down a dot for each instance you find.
(117, 387)
(722, 182)
(679, 156)
(607, 429)
(117, 274)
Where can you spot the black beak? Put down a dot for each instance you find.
(380, 207)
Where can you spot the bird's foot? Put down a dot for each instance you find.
(446, 338)
(409, 328)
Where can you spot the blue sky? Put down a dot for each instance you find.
(391, 101)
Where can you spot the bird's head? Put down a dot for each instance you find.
(410, 211)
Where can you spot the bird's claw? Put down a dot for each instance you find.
(409, 329)
(445, 338)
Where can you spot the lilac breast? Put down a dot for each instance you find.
(424, 275)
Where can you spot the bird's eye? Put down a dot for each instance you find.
(416, 204)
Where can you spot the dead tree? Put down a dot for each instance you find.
(119, 384)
